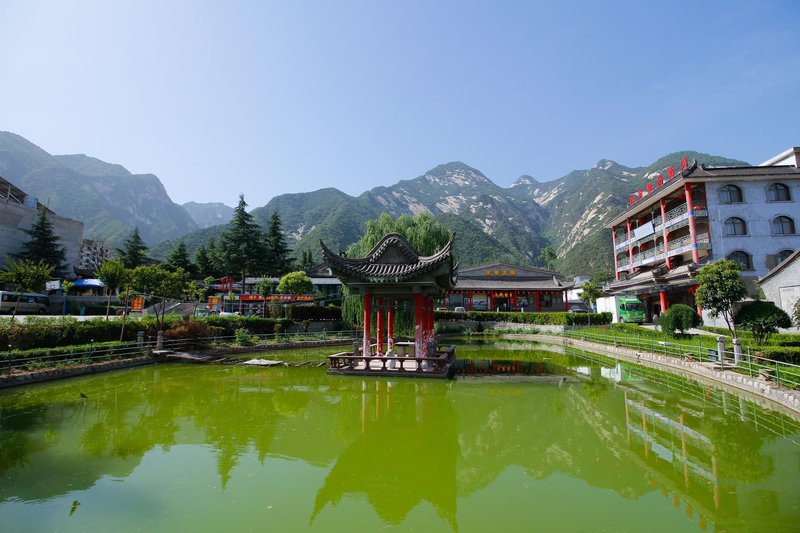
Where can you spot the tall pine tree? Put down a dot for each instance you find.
(134, 252)
(43, 246)
(278, 260)
(241, 246)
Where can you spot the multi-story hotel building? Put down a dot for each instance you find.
(683, 220)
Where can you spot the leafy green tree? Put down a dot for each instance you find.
(590, 293)
(295, 283)
(680, 318)
(762, 318)
(43, 245)
(278, 260)
(161, 284)
(66, 287)
(179, 258)
(26, 276)
(721, 288)
(548, 257)
(241, 246)
(114, 274)
(134, 252)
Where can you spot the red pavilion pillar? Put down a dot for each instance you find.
(390, 325)
(367, 323)
(379, 327)
(418, 325)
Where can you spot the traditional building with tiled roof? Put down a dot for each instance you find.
(747, 214)
(507, 287)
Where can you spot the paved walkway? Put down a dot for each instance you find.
(754, 387)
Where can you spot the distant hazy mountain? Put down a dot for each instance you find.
(209, 214)
(106, 197)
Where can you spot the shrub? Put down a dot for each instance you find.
(762, 318)
(242, 337)
(680, 318)
(786, 354)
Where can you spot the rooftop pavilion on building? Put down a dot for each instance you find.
(685, 219)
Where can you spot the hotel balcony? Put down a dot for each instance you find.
(677, 246)
(676, 218)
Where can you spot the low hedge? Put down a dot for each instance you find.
(785, 354)
(544, 319)
(254, 324)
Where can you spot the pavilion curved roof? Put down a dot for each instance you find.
(394, 260)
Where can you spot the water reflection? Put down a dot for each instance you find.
(716, 460)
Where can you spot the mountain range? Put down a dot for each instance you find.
(492, 223)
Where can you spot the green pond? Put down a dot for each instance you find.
(524, 439)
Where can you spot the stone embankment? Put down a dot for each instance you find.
(35, 376)
(752, 386)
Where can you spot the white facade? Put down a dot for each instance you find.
(760, 242)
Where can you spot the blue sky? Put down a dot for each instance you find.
(265, 98)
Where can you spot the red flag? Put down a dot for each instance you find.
(671, 172)
(649, 187)
(660, 181)
(684, 163)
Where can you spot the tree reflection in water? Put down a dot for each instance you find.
(397, 444)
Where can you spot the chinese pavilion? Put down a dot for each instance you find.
(391, 275)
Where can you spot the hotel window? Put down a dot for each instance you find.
(778, 192)
(743, 258)
(782, 226)
(783, 255)
(735, 226)
(730, 194)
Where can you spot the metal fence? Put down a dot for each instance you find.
(62, 357)
(741, 361)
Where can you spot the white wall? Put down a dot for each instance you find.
(15, 219)
(758, 213)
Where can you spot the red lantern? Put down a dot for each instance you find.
(660, 181)
(649, 187)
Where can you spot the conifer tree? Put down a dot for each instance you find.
(134, 252)
(241, 245)
(43, 246)
(278, 260)
(179, 258)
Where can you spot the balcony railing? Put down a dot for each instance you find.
(676, 246)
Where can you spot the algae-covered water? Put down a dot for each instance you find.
(210, 448)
